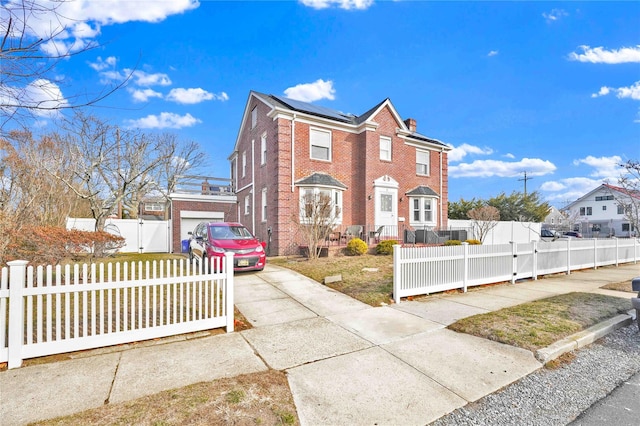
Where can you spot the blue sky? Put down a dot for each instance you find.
(549, 88)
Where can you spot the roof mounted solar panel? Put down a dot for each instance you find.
(314, 109)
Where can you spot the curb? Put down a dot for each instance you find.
(582, 338)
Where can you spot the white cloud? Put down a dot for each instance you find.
(45, 97)
(599, 55)
(342, 4)
(77, 23)
(194, 96)
(103, 64)
(459, 152)
(631, 92)
(144, 95)
(142, 78)
(493, 53)
(509, 155)
(166, 120)
(489, 168)
(604, 90)
(568, 190)
(554, 15)
(310, 92)
(604, 167)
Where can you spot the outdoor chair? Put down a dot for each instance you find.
(376, 234)
(353, 231)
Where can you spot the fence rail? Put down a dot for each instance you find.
(47, 310)
(425, 270)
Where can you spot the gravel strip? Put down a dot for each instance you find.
(557, 397)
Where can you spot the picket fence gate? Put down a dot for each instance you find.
(426, 270)
(47, 310)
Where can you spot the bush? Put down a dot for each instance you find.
(356, 247)
(49, 245)
(452, 243)
(385, 247)
(474, 242)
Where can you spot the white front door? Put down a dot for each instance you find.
(386, 212)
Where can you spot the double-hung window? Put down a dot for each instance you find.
(385, 148)
(264, 204)
(320, 141)
(246, 205)
(244, 163)
(422, 162)
(254, 117)
(423, 211)
(318, 204)
(263, 149)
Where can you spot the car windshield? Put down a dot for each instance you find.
(229, 232)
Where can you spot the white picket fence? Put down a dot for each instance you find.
(426, 270)
(45, 311)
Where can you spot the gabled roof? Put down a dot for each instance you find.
(423, 191)
(321, 179)
(605, 187)
(356, 121)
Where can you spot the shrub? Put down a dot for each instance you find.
(452, 243)
(474, 242)
(385, 247)
(49, 245)
(356, 247)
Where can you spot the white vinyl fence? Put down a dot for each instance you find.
(140, 236)
(46, 311)
(426, 270)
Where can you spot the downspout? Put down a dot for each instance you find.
(441, 197)
(293, 157)
(253, 186)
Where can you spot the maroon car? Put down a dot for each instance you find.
(213, 239)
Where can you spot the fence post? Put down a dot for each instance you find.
(568, 255)
(595, 253)
(397, 273)
(228, 268)
(465, 262)
(618, 250)
(514, 265)
(534, 271)
(17, 275)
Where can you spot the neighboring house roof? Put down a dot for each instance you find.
(281, 102)
(422, 191)
(605, 187)
(321, 179)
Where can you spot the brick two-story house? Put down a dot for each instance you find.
(378, 170)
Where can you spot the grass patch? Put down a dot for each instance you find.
(538, 324)
(621, 286)
(372, 288)
(251, 399)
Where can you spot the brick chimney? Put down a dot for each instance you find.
(411, 124)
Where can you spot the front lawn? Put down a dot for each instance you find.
(368, 278)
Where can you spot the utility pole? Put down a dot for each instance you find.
(525, 179)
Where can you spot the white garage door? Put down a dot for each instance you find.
(190, 219)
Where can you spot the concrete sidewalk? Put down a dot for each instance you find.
(347, 363)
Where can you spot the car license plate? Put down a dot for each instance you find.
(243, 262)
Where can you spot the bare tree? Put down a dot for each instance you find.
(32, 44)
(483, 220)
(112, 169)
(318, 216)
(629, 196)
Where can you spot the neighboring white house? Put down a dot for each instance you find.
(601, 212)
